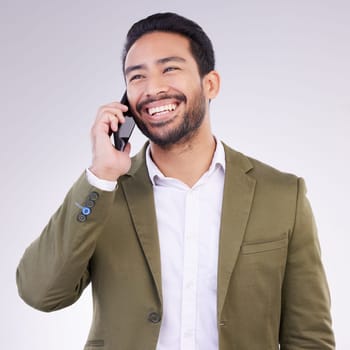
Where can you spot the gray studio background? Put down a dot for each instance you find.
(284, 100)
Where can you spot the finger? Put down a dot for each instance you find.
(109, 122)
(127, 148)
(104, 124)
(111, 111)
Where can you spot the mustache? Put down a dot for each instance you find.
(178, 97)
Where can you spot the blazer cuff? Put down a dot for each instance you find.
(104, 185)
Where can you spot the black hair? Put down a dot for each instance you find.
(200, 44)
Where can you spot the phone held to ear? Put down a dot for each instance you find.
(122, 135)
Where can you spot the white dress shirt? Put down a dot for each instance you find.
(188, 222)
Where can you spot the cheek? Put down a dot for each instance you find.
(134, 94)
(183, 82)
(193, 85)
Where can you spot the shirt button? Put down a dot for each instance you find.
(154, 317)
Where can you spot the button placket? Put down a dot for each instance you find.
(189, 287)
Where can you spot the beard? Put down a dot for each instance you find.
(192, 119)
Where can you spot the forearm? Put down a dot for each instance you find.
(54, 269)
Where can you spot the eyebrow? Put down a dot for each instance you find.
(158, 62)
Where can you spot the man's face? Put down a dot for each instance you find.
(164, 88)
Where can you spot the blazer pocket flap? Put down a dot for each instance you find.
(263, 246)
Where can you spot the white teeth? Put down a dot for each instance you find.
(160, 109)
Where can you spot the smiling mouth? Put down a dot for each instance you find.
(160, 110)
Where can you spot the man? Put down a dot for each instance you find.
(190, 244)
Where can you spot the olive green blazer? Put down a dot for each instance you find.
(272, 290)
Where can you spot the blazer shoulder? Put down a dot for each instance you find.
(257, 169)
(266, 171)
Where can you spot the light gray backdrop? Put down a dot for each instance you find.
(284, 100)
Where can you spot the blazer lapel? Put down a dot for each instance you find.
(139, 196)
(238, 196)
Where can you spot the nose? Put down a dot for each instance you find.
(156, 86)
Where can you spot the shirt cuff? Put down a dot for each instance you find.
(104, 185)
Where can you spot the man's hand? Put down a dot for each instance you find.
(107, 162)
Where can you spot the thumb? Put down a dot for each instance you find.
(127, 148)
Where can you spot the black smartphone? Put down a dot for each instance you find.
(122, 135)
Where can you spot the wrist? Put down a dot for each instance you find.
(104, 173)
(104, 185)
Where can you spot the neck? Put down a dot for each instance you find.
(186, 161)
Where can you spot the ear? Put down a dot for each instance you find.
(211, 84)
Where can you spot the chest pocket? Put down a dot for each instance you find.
(264, 246)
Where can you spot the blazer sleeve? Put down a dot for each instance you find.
(54, 269)
(305, 320)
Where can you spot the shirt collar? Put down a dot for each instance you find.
(218, 161)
